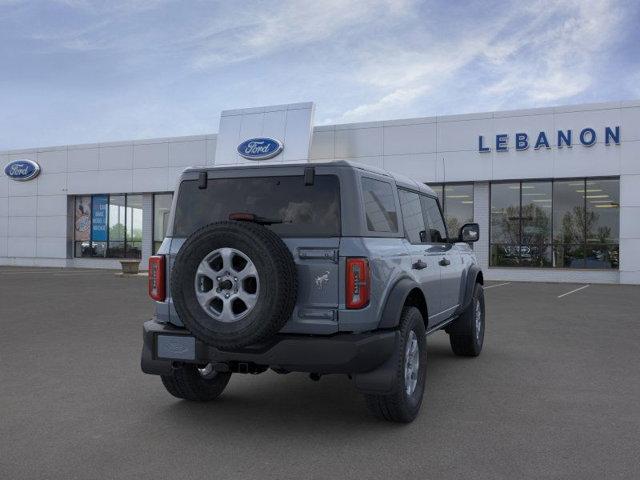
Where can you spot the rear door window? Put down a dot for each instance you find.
(379, 205)
(412, 216)
(296, 209)
(437, 233)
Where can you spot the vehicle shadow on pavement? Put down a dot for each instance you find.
(260, 402)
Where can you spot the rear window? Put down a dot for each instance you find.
(303, 210)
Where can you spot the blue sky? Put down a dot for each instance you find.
(76, 71)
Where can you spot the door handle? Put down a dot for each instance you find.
(419, 265)
(444, 262)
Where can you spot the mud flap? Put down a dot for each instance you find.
(382, 380)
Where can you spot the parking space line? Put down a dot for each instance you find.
(497, 285)
(573, 291)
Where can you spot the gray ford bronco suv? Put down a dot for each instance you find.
(318, 268)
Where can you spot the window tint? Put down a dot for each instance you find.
(294, 208)
(412, 216)
(380, 207)
(436, 231)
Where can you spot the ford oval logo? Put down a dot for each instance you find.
(260, 148)
(22, 170)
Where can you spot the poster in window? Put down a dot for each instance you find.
(99, 218)
(83, 219)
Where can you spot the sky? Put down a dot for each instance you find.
(80, 71)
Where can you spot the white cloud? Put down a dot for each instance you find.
(543, 52)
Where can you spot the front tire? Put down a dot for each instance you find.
(469, 328)
(403, 403)
(196, 384)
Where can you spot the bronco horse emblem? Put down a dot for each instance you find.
(322, 279)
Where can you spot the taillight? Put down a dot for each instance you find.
(357, 282)
(156, 278)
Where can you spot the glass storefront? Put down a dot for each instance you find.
(108, 226)
(161, 209)
(562, 223)
(457, 204)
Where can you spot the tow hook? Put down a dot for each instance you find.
(315, 376)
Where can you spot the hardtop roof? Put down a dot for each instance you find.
(400, 180)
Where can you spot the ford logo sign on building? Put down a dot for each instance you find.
(260, 148)
(22, 170)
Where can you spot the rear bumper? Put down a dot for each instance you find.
(340, 353)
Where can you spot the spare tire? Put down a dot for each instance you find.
(234, 284)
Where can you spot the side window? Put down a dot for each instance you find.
(412, 216)
(433, 218)
(379, 205)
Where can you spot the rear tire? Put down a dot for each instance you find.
(469, 327)
(189, 383)
(403, 403)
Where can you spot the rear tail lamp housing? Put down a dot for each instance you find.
(156, 278)
(357, 283)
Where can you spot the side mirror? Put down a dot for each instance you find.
(470, 232)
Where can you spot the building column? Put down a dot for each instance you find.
(481, 215)
(147, 229)
(629, 229)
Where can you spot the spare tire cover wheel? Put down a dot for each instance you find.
(234, 284)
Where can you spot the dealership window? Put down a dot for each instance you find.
(108, 226)
(457, 204)
(161, 210)
(563, 224)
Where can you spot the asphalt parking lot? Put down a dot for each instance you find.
(555, 394)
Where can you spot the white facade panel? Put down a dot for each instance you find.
(82, 159)
(53, 161)
(409, 139)
(22, 227)
(630, 121)
(51, 205)
(149, 179)
(454, 136)
(4, 206)
(55, 247)
(22, 189)
(52, 183)
(52, 226)
(115, 181)
(630, 157)
(358, 142)
(22, 206)
(21, 246)
(630, 191)
(151, 155)
(322, 145)
(4, 226)
(420, 166)
(187, 153)
(118, 157)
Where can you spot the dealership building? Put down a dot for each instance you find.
(556, 191)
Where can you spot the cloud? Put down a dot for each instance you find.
(262, 32)
(541, 53)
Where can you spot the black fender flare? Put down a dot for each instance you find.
(395, 302)
(473, 276)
